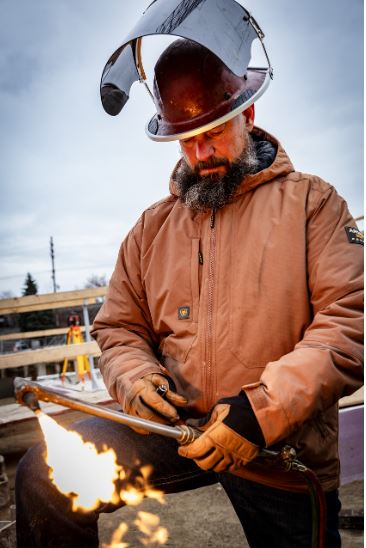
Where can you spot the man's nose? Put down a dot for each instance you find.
(203, 149)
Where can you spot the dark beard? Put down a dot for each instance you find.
(214, 191)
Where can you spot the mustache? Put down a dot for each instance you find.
(211, 163)
(215, 190)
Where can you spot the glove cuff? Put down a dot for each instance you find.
(241, 418)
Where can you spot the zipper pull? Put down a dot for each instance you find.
(212, 223)
(200, 257)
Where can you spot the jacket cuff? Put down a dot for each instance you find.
(269, 413)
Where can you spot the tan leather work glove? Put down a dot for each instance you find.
(222, 447)
(143, 401)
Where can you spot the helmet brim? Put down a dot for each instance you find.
(257, 81)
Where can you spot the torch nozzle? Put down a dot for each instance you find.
(26, 393)
(31, 400)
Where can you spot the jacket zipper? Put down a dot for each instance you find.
(211, 285)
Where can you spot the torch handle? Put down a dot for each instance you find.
(23, 387)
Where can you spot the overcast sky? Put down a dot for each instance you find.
(70, 171)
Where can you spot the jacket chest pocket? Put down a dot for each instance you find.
(174, 300)
(269, 309)
(250, 339)
(255, 326)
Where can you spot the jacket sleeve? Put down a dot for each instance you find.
(123, 326)
(327, 363)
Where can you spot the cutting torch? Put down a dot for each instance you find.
(29, 393)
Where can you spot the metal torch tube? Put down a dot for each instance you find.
(183, 434)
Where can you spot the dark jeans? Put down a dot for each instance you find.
(270, 517)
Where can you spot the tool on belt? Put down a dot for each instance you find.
(29, 393)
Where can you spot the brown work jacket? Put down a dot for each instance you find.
(265, 294)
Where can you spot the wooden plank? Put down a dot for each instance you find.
(36, 334)
(48, 355)
(53, 297)
(48, 306)
(357, 398)
(51, 300)
(51, 306)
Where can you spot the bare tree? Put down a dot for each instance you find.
(96, 281)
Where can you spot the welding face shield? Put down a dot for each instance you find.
(199, 82)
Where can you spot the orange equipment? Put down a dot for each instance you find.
(74, 336)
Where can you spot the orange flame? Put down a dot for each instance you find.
(149, 525)
(135, 494)
(116, 541)
(88, 477)
(77, 469)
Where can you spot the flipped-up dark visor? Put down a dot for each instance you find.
(223, 26)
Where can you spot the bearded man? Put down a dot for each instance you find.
(240, 295)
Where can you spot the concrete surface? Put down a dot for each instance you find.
(204, 518)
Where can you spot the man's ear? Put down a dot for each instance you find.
(249, 115)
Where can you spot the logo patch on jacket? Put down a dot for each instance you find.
(354, 235)
(184, 312)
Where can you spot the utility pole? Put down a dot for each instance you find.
(53, 265)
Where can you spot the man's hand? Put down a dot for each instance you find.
(223, 447)
(144, 401)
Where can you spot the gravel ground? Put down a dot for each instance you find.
(204, 518)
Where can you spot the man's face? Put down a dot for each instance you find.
(212, 152)
(215, 162)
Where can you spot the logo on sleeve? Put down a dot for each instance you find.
(184, 313)
(354, 235)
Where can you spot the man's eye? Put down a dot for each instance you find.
(216, 130)
(187, 141)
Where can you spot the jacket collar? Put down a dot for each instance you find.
(280, 166)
